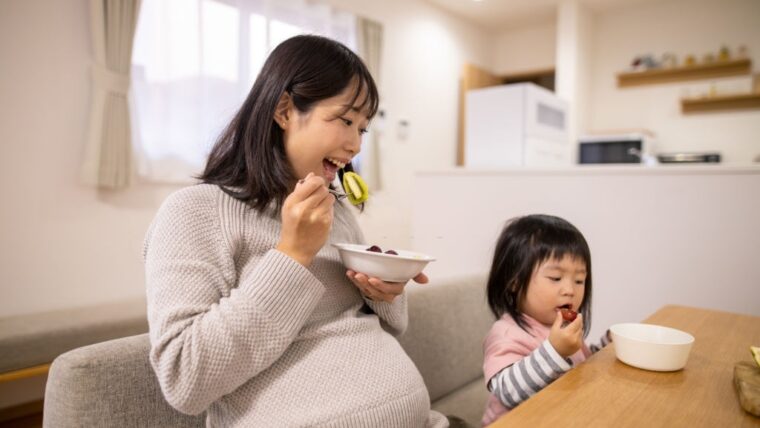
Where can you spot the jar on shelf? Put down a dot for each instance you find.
(724, 54)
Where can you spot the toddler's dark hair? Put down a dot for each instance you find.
(525, 243)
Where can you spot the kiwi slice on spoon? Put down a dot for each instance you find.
(355, 187)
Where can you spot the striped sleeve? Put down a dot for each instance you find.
(603, 341)
(518, 382)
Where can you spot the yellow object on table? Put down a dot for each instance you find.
(747, 383)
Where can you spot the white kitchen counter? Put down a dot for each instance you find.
(683, 234)
(634, 169)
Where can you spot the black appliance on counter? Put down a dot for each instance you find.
(633, 147)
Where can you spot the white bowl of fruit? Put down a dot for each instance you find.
(390, 265)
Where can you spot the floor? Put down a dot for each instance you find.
(27, 415)
(30, 421)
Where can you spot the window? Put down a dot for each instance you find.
(193, 63)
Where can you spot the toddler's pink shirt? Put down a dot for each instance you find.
(506, 344)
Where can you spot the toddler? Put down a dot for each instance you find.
(541, 270)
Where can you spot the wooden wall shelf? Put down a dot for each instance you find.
(705, 71)
(728, 102)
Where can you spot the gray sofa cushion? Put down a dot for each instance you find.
(467, 402)
(448, 321)
(109, 384)
(30, 340)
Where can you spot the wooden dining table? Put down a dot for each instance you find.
(604, 392)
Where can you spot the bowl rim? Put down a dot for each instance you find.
(362, 249)
(688, 340)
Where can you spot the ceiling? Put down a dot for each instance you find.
(502, 14)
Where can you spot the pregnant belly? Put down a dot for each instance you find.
(333, 376)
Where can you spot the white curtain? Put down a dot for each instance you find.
(107, 162)
(193, 65)
(370, 45)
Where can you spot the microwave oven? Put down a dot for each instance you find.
(633, 147)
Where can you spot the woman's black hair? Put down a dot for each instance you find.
(248, 160)
(525, 243)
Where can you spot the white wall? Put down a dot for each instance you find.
(525, 48)
(682, 27)
(66, 245)
(572, 83)
(62, 245)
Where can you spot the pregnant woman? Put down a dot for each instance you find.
(253, 318)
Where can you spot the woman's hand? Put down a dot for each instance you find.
(566, 340)
(307, 215)
(378, 290)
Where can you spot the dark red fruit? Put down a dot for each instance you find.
(391, 252)
(375, 249)
(568, 315)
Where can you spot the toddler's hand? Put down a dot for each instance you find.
(569, 339)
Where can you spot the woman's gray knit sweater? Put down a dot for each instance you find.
(244, 332)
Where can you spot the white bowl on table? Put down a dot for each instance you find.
(388, 267)
(651, 347)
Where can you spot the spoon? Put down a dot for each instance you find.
(338, 194)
